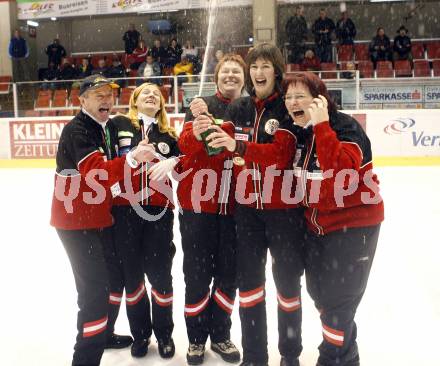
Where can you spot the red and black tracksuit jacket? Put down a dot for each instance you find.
(87, 171)
(264, 139)
(196, 159)
(144, 190)
(333, 166)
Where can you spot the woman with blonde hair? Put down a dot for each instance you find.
(143, 229)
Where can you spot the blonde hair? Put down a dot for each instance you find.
(161, 115)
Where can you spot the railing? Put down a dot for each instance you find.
(350, 93)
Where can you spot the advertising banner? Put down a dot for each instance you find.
(405, 133)
(391, 94)
(63, 8)
(393, 133)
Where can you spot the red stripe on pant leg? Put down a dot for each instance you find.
(91, 333)
(204, 302)
(136, 295)
(162, 300)
(219, 296)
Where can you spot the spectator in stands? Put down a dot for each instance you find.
(117, 71)
(184, 67)
(192, 54)
(380, 47)
(55, 52)
(310, 62)
(85, 69)
(190, 51)
(296, 31)
(174, 53)
(51, 74)
(210, 67)
(323, 29)
(345, 30)
(222, 44)
(148, 69)
(351, 70)
(19, 52)
(402, 45)
(131, 39)
(102, 68)
(159, 53)
(139, 55)
(67, 72)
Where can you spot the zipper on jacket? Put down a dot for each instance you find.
(304, 177)
(256, 167)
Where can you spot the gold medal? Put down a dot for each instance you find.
(238, 160)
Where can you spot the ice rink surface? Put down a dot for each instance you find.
(398, 319)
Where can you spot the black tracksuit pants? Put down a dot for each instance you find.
(146, 247)
(97, 273)
(281, 231)
(209, 253)
(337, 268)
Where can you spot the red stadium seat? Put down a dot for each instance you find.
(402, 68)
(74, 100)
(384, 69)
(436, 67)
(345, 53)
(366, 69)
(421, 68)
(5, 88)
(326, 68)
(293, 67)
(43, 101)
(418, 51)
(433, 50)
(361, 52)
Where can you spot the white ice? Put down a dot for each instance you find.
(398, 319)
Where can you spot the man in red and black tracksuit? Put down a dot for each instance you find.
(208, 234)
(265, 220)
(344, 210)
(144, 239)
(86, 178)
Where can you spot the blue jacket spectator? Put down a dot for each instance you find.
(18, 47)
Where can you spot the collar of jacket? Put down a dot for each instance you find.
(261, 103)
(146, 119)
(222, 98)
(84, 115)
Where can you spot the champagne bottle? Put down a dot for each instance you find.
(211, 151)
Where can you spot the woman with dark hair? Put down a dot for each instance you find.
(143, 229)
(262, 150)
(343, 216)
(174, 53)
(207, 225)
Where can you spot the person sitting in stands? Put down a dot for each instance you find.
(85, 69)
(380, 47)
(351, 71)
(159, 53)
(68, 72)
(148, 69)
(139, 55)
(101, 69)
(184, 67)
(51, 74)
(117, 71)
(310, 62)
(402, 45)
(174, 51)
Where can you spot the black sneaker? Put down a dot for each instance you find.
(139, 348)
(166, 348)
(227, 351)
(249, 363)
(118, 341)
(289, 361)
(195, 354)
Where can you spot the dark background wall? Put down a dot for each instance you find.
(424, 23)
(104, 33)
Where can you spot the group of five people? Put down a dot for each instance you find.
(279, 169)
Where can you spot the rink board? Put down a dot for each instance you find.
(398, 137)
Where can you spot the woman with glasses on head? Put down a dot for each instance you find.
(265, 216)
(343, 216)
(143, 215)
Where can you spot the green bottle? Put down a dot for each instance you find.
(211, 151)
